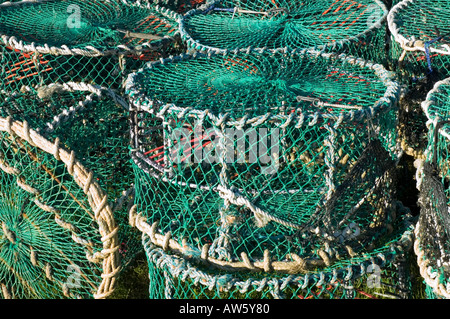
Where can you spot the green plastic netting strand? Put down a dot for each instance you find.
(58, 236)
(294, 196)
(99, 42)
(93, 122)
(228, 25)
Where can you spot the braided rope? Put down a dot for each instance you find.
(429, 100)
(431, 276)
(97, 199)
(88, 51)
(184, 268)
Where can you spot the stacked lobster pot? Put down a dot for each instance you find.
(68, 181)
(268, 173)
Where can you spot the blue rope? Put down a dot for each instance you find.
(427, 50)
(427, 55)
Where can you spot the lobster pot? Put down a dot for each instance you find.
(92, 122)
(432, 244)
(98, 42)
(244, 157)
(378, 273)
(419, 39)
(353, 27)
(58, 236)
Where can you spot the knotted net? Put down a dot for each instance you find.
(179, 6)
(97, 42)
(420, 38)
(241, 154)
(419, 54)
(380, 272)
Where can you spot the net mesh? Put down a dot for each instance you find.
(97, 42)
(57, 238)
(351, 26)
(260, 152)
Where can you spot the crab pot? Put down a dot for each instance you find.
(420, 57)
(420, 40)
(354, 27)
(243, 154)
(433, 174)
(92, 122)
(378, 272)
(58, 234)
(179, 6)
(97, 42)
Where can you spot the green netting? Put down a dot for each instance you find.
(238, 155)
(92, 122)
(420, 38)
(58, 236)
(378, 272)
(355, 27)
(432, 244)
(84, 41)
(412, 129)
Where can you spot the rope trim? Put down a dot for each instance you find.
(184, 268)
(201, 255)
(430, 276)
(410, 44)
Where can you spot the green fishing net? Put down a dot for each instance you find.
(246, 157)
(355, 27)
(93, 122)
(432, 244)
(84, 41)
(58, 235)
(420, 38)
